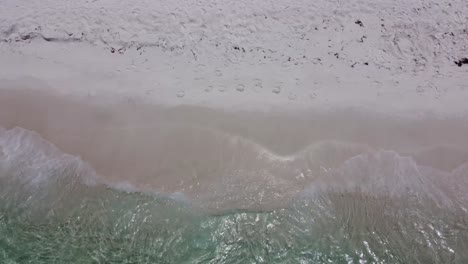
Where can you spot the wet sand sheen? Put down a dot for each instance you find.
(226, 159)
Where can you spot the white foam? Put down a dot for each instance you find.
(226, 170)
(34, 160)
(386, 173)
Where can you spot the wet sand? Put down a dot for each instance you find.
(237, 158)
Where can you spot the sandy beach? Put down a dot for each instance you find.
(383, 56)
(233, 131)
(200, 150)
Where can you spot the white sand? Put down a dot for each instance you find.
(244, 54)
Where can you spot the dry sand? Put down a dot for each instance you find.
(381, 55)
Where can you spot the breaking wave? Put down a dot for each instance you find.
(331, 202)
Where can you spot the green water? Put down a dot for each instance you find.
(100, 225)
(375, 208)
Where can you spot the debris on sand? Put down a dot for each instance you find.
(461, 62)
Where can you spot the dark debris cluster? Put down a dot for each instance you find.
(461, 62)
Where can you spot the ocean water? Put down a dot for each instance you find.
(331, 202)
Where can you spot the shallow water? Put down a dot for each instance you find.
(126, 184)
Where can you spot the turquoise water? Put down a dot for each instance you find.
(51, 211)
(112, 227)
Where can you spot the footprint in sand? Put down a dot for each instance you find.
(209, 88)
(222, 88)
(277, 88)
(180, 94)
(240, 87)
(258, 84)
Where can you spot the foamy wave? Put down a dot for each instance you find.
(34, 160)
(386, 173)
(237, 172)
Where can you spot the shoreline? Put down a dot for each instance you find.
(273, 81)
(248, 131)
(200, 150)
